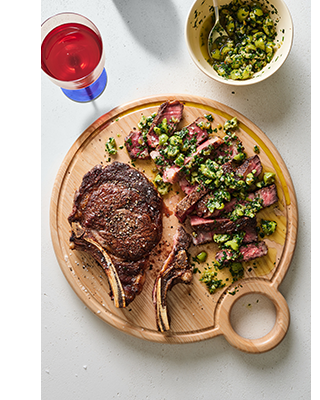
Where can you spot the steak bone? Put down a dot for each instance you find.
(165, 283)
(114, 280)
(176, 269)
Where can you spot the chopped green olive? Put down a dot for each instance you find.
(269, 51)
(202, 256)
(164, 124)
(163, 139)
(260, 44)
(257, 10)
(162, 127)
(157, 130)
(221, 238)
(179, 160)
(162, 187)
(231, 124)
(269, 177)
(158, 179)
(172, 151)
(175, 140)
(239, 157)
(230, 27)
(215, 54)
(268, 26)
(111, 146)
(233, 244)
(250, 178)
(237, 271)
(242, 14)
(268, 227)
(207, 172)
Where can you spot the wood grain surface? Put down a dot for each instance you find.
(195, 314)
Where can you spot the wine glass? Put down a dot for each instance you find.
(72, 56)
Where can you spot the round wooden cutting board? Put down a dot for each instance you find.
(195, 314)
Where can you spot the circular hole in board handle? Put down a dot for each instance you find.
(253, 316)
(272, 338)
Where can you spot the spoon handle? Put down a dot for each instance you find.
(216, 9)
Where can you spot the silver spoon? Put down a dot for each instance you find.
(217, 31)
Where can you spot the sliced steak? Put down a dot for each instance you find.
(117, 218)
(205, 147)
(249, 165)
(186, 187)
(251, 235)
(218, 225)
(230, 148)
(247, 252)
(197, 130)
(136, 146)
(268, 196)
(202, 211)
(176, 269)
(174, 173)
(187, 204)
(202, 237)
(172, 112)
(159, 160)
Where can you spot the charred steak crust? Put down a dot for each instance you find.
(117, 218)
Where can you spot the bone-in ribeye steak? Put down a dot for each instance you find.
(117, 218)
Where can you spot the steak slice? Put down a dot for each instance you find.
(268, 196)
(117, 218)
(136, 146)
(229, 149)
(187, 204)
(172, 112)
(159, 160)
(249, 228)
(251, 234)
(247, 252)
(249, 165)
(202, 211)
(218, 225)
(186, 187)
(197, 130)
(176, 269)
(174, 173)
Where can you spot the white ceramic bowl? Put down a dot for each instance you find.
(202, 10)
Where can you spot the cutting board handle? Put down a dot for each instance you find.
(277, 333)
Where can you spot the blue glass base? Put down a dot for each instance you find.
(89, 93)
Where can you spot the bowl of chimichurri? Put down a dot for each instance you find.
(260, 36)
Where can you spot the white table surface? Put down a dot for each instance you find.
(84, 358)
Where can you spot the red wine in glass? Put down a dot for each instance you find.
(72, 56)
